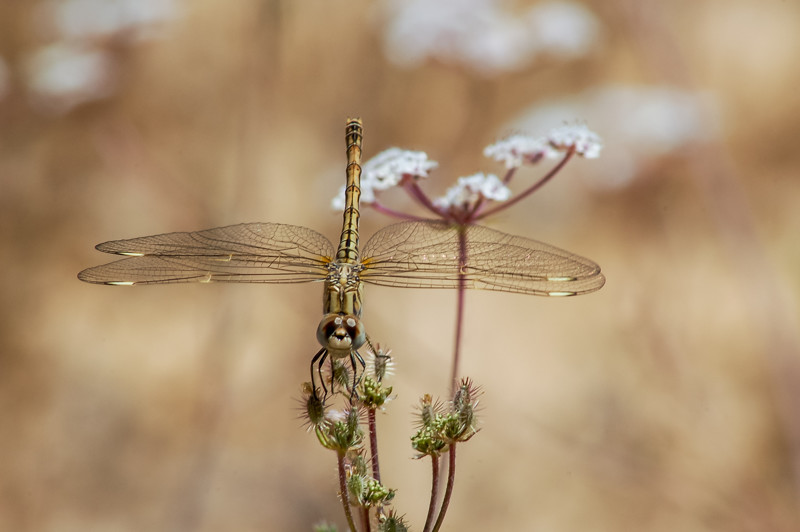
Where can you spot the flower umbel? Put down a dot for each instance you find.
(580, 138)
(386, 170)
(469, 190)
(517, 150)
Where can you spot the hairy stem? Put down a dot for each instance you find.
(434, 493)
(448, 491)
(365, 519)
(373, 444)
(462, 285)
(343, 491)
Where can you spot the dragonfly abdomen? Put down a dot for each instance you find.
(348, 243)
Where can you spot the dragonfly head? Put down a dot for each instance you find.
(340, 334)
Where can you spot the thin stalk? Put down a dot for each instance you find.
(365, 519)
(343, 492)
(373, 444)
(448, 491)
(473, 212)
(462, 286)
(530, 190)
(415, 192)
(393, 213)
(434, 493)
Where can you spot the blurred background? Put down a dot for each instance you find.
(669, 400)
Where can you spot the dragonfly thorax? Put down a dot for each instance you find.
(342, 289)
(340, 334)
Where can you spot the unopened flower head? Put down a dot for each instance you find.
(392, 523)
(469, 189)
(379, 363)
(517, 150)
(312, 406)
(386, 170)
(584, 141)
(342, 431)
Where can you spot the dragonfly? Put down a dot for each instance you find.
(411, 254)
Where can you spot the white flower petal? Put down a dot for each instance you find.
(516, 150)
(468, 189)
(586, 142)
(388, 168)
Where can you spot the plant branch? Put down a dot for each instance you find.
(434, 493)
(448, 491)
(383, 209)
(530, 190)
(415, 192)
(373, 444)
(343, 491)
(365, 518)
(462, 286)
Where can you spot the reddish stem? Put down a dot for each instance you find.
(415, 192)
(530, 190)
(393, 213)
(448, 491)
(434, 493)
(365, 519)
(373, 443)
(343, 492)
(462, 285)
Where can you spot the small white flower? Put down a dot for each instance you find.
(586, 142)
(386, 170)
(468, 189)
(516, 150)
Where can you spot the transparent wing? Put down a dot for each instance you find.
(426, 255)
(244, 253)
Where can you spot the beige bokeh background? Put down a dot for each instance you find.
(667, 401)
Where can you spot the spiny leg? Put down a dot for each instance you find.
(321, 355)
(355, 355)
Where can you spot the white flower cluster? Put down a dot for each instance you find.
(516, 150)
(79, 65)
(585, 141)
(386, 170)
(468, 189)
(486, 36)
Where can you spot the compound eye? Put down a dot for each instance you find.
(355, 329)
(328, 327)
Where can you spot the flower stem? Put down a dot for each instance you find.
(393, 213)
(462, 285)
(448, 491)
(434, 493)
(343, 491)
(373, 444)
(530, 190)
(415, 192)
(365, 518)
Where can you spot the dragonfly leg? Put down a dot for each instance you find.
(319, 360)
(355, 355)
